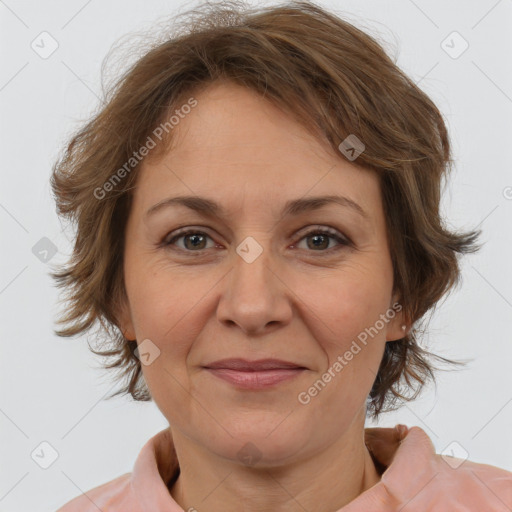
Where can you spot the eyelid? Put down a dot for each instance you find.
(180, 232)
(326, 229)
(341, 238)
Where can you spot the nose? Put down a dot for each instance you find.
(255, 296)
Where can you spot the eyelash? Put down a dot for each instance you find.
(331, 233)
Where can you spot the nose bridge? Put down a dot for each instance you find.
(251, 264)
(253, 295)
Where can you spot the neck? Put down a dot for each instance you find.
(324, 482)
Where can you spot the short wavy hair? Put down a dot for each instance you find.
(332, 77)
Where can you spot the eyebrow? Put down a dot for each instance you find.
(210, 208)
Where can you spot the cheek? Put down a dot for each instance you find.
(342, 323)
(161, 311)
(345, 321)
(349, 304)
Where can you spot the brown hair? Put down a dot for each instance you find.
(332, 77)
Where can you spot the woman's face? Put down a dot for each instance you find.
(256, 280)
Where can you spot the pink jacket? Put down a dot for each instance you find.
(415, 479)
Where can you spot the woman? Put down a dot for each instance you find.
(258, 231)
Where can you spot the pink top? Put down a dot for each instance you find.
(414, 478)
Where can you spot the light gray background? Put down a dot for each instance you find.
(51, 389)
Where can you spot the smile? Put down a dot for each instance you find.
(259, 379)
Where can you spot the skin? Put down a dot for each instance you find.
(295, 302)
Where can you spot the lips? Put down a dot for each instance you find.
(243, 365)
(262, 374)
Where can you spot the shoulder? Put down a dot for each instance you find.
(112, 496)
(478, 483)
(428, 479)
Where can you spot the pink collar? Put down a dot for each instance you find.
(415, 478)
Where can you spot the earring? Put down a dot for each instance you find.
(404, 327)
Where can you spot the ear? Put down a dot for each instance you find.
(395, 329)
(124, 319)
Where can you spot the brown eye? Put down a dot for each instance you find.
(320, 239)
(193, 240)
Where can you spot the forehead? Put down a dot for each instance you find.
(239, 147)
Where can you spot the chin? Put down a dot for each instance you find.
(259, 440)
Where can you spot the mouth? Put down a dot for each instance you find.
(260, 374)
